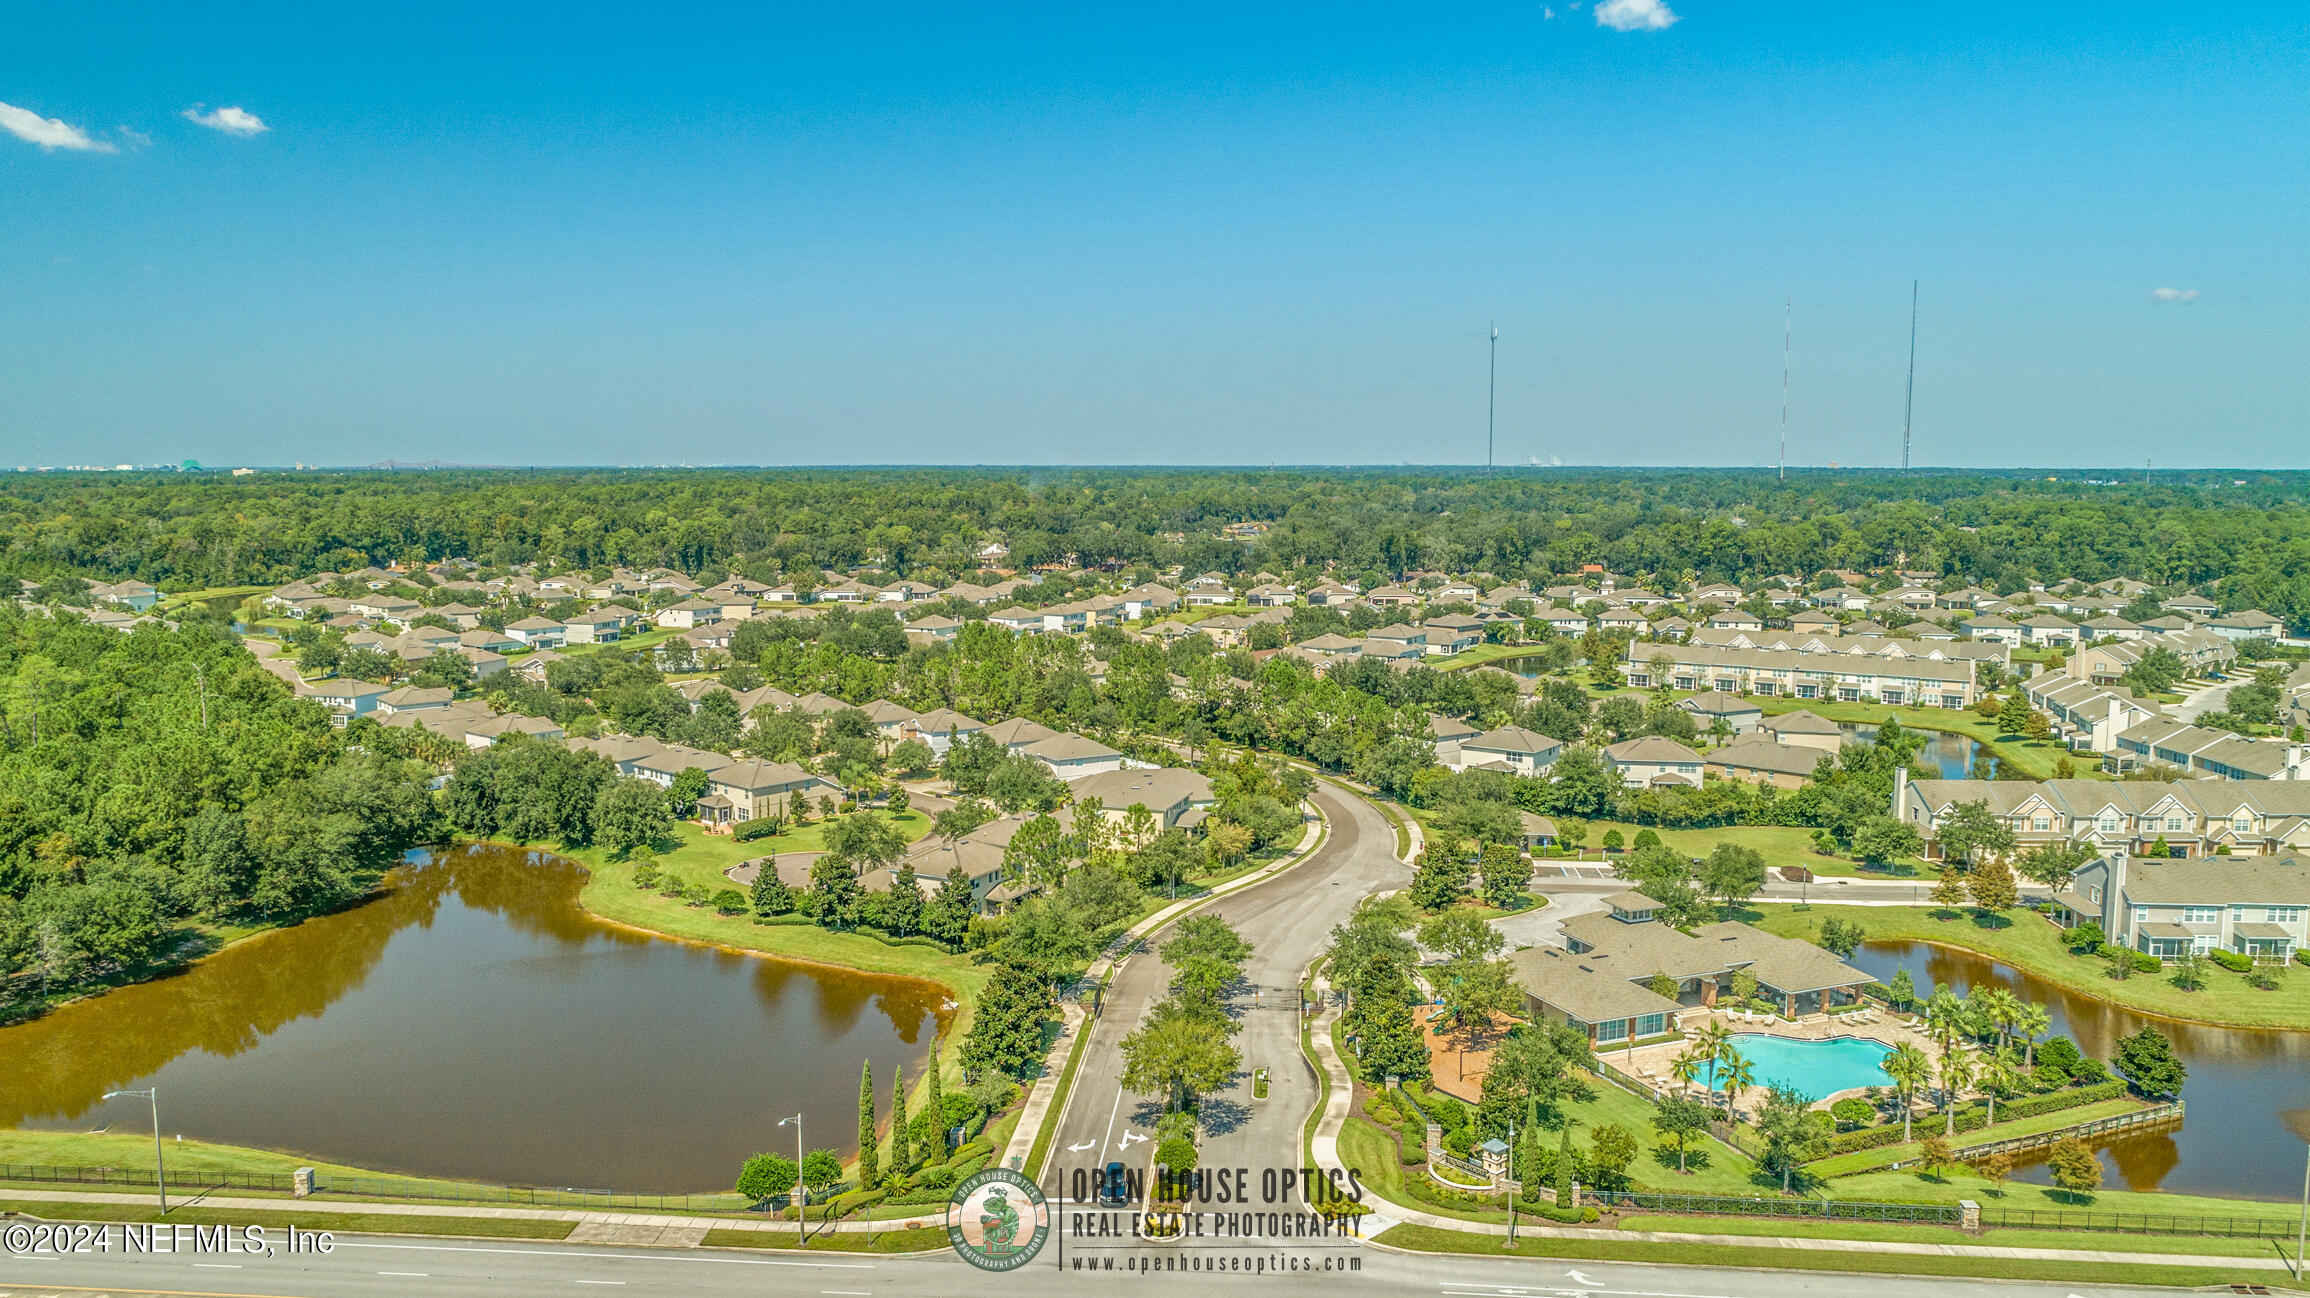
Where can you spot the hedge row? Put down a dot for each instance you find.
(1974, 1117)
(2055, 1101)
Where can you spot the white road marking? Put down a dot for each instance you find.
(417, 1274)
(220, 1266)
(1077, 1149)
(597, 1282)
(1130, 1136)
(615, 1257)
(1111, 1118)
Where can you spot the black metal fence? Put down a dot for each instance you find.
(2137, 1223)
(1725, 1205)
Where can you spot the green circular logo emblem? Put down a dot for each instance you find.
(997, 1220)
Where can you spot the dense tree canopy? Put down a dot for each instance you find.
(160, 776)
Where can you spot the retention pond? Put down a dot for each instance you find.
(2232, 1140)
(475, 1022)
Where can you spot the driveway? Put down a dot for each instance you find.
(1288, 922)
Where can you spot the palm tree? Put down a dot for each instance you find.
(1739, 1075)
(2031, 1021)
(1956, 1075)
(1996, 1006)
(1686, 1068)
(1999, 1072)
(1945, 1021)
(1910, 1069)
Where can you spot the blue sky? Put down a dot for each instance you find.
(1234, 233)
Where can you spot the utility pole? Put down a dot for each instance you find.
(1492, 395)
(1788, 318)
(1909, 403)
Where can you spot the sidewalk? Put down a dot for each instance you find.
(1338, 1106)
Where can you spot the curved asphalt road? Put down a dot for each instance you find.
(1288, 921)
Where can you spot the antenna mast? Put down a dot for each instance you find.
(1909, 402)
(1788, 315)
(1492, 395)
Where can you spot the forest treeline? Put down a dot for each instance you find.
(2246, 537)
(157, 778)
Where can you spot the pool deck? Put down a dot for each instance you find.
(1651, 1064)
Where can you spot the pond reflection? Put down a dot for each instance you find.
(2233, 1139)
(473, 1021)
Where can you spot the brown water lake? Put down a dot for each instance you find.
(475, 1022)
(2232, 1140)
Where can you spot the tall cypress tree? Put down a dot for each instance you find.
(869, 1174)
(936, 1102)
(901, 1151)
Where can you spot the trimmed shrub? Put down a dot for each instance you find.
(2232, 961)
(1853, 1111)
(851, 1201)
(749, 830)
(1177, 1153)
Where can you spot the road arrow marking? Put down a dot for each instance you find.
(1077, 1149)
(1130, 1136)
(1581, 1280)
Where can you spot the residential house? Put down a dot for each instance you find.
(2253, 624)
(346, 699)
(1990, 626)
(942, 727)
(1711, 706)
(1804, 730)
(134, 596)
(1389, 597)
(538, 632)
(1653, 760)
(1525, 752)
(689, 613)
(1452, 633)
(597, 627)
(1071, 757)
(1173, 794)
(412, 698)
(1761, 759)
(1271, 596)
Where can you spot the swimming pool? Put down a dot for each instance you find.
(1817, 1068)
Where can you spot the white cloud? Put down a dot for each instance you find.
(1635, 15)
(2173, 295)
(49, 133)
(232, 121)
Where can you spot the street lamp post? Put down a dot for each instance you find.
(2298, 1122)
(159, 1170)
(801, 1188)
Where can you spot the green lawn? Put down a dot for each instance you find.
(2018, 758)
(1895, 1231)
(1866, 1159)
(928, 1239)
(129, 1149)
(1371, 1154)
(350, 1223)
(177, 601)
(1779, 844)
(1604, 1248)
(1484, 653)
(610, 893)
(2028, 941)
(1713, 1166)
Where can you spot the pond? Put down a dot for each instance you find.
(475, 1022)
(2232, 1140)
(1951, 754)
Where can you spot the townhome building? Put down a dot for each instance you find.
(2195, 818)
(2088, 716)
(1837, 677)
(2257, 906)
(2202, 750)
